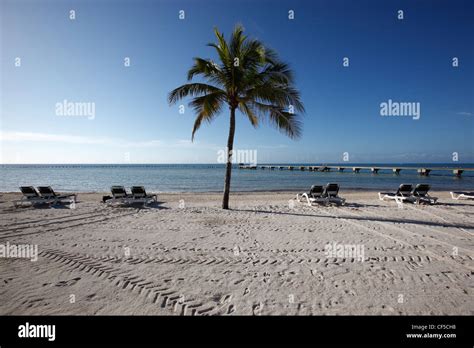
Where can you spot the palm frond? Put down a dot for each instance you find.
(207, 107)
(279, 72)
(237, 41)
(208, 69)
(250, 113)
(280, 95)
(222, 48)
(286, 122)
(191, 89)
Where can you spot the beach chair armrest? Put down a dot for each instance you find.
(383, 195)
(303, 197)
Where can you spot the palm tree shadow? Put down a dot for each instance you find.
(154, 205)
(458, 205)
(363, 218)
(357, 205)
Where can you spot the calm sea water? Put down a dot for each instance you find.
(210, 177)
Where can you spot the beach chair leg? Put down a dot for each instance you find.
(19, 203)
(299, 197)
(304, 196)
(399, 202)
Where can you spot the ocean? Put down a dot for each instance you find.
(210, 177)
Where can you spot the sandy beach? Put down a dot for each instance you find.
(265, 256)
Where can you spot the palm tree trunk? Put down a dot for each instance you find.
(228, 169)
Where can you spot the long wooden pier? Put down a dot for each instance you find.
(357, 169)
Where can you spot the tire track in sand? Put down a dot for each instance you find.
(167, 298)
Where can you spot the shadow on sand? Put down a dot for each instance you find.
(363, 218)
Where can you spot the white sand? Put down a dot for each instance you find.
(263, 257)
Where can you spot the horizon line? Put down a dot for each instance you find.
(260, 163)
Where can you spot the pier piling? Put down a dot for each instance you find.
(424, 171)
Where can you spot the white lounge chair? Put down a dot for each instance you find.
(462, 195)
(139, 195)
(48, 193)
(315, 195)
(331, 192)
(421, 195)
(319, 194)
(31, 197)
(119, 196)
(403, 194)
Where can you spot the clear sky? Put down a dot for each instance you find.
(82, 60)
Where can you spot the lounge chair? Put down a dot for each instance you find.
(30, 197)
(139, 195)
(403, 194)
(462, 195)
(421, 195)
(331, 194)
(48, 193)
(315, 195)
(119, 196)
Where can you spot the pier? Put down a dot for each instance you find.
(423, 171)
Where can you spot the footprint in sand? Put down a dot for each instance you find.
(225, 299)
(256, 309)
(231, 309)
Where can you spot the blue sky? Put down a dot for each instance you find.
(81, 60)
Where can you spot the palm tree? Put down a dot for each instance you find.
(248, 77)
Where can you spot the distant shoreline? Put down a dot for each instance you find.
(240, 193)
(441, 164)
